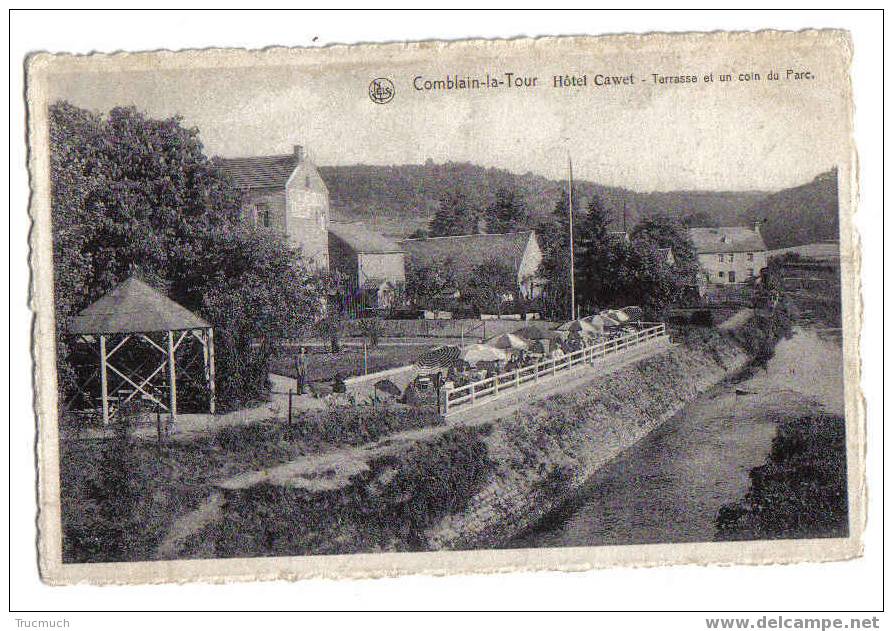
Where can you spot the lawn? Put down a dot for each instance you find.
(322, 365)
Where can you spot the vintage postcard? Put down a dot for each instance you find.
(474, 306)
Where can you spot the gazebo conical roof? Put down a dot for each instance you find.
(134, 307)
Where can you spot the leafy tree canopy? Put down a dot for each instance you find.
(136, 195)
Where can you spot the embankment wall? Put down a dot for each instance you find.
(480, 484)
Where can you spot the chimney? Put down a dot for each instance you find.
(756, 227)
(299, 153)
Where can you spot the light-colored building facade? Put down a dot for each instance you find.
(371, 265)
(729, 255)
(285, 193)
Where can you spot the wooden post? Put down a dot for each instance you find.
(289, 406)
(365, 359)
(211, 376)
(103, 377)
(472, 392)
(172, 374)
(517, 379)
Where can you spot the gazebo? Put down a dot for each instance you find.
(135, 331)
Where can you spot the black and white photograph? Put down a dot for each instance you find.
(588, 297)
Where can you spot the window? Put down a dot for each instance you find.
(750, 256)
(721, 258)
(750, 273)
(722, 274)
(731, 277)
(731, 258)
(262, 215)
(306, 181)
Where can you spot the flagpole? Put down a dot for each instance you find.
(570, 217)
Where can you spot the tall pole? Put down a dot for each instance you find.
(104, 380)
(172, 374)
(570, 217)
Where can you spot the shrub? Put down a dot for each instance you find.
(800, 491)
(702, 317)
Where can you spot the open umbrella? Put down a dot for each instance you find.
(482, 353)
(633, 313)
(596, 321)
(534, 332)
(579, 326)
(509, 342)
(615, 314)
(438, 357)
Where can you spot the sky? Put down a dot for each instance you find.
(648, 137)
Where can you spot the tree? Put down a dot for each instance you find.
(425, 284)
(136, 195)
(593, 255)
(488, 284)
(455, 215)
(664, 233)
(553, 235)
(507, 213)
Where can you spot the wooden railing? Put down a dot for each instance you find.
(473, 393)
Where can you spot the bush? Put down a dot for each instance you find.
(801, 490)
(702, 317)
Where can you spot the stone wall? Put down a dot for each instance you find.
(548, 450)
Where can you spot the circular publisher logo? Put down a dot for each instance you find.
(381, 90)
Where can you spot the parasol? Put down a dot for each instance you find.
(438, 357)
(482, 353)
(579, 326)
(616, 315)
(508, 342)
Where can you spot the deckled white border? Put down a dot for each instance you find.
(373, 565)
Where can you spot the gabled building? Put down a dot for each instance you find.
(371, 265)
(729, 255)
(520, 251)
(287, 194)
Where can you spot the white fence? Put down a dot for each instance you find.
(479, 391)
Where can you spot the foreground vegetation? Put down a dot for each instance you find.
(120, 496)
(801, 490)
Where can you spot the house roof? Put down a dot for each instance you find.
(134, 307)
(726, 239)
(363, 240)
(667, 254)
(473, 249)
(260, 171)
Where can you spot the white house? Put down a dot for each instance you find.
(729, 255)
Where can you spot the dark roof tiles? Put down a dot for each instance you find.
(467, 251)
(134, 307)
(260, 171)
(726, 239)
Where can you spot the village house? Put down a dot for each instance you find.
(519, 251)
(371, 265)
(729, 255)
(287, 194)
